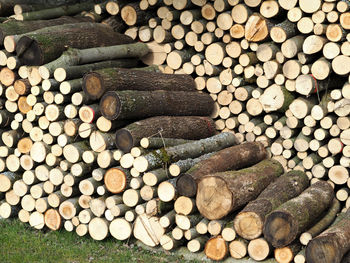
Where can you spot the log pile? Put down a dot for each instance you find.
(96, 139)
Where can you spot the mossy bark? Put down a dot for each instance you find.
(97, 83)
(130, 104)
(232, 158)
(15, 27)
(220, 193)
(290, 219)
(187, 127)
(38, 48)
(249, 222)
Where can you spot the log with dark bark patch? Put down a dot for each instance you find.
(232, 158)
(186, 127)
(95, 84)
(14, 27)
(250, 221)
(331, 245)
(219, 194)
(290, 219)
(44, 46)
(130, 104)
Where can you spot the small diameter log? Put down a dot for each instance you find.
(332, 244)
(190, 127)
(287, 254)
(232, 158)
(259, 249)
(250, 221)
(96, 83)
(221, 193)
(157, 207)
(285, 223)
(321, 225)
(42, 47)
(74, 57)
(216, 248)
(140, 104)
(188, 150)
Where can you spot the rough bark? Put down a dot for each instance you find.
(250, 221)
(233, 158)
(332, 244)
(131, 104)
(219, 194)
(43, 46)
(14, 27)
(289, 220)
(187, 127)
(95, 84)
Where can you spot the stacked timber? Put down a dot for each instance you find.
(96, 142)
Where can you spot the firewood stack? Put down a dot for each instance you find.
(96, 139)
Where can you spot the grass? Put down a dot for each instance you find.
(23, 244)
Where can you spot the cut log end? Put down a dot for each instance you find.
(29, 52)
(323, 246)
(217, 197)
(115, 180)
(53, 219)
(110, 106)
(248, 225)
(186, 185)
(279, 229)
(93, 85)
(124, 140)
(216, 248)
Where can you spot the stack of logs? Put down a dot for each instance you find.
(71, 122)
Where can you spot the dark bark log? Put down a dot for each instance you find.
(289, 220)
(233, 158)
(14, 27)
(74, 72)
(39, 48)
(141, 104)
(219, 194)
(187, 127)
(250, 221)
(116, 23)
(332, 244)
(95, 84)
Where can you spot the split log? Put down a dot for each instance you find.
(95, 84)
(40, 48)
(321, 225)
(229, 190)
(192, 149)
(292, 217)
(232, 158)
(250, 221)
(332, 243)
(131, 104)
(191, 128)
(148, 230)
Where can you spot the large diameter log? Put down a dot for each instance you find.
(250, 221)
(321, 225)
(290, 219)
(187, 127)
(331, 245)
(194, 149)
(14, 27)
(232, 158)
(131, 104)
(219, 194)
(95, 84)
(148, 230)
(40, 48)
